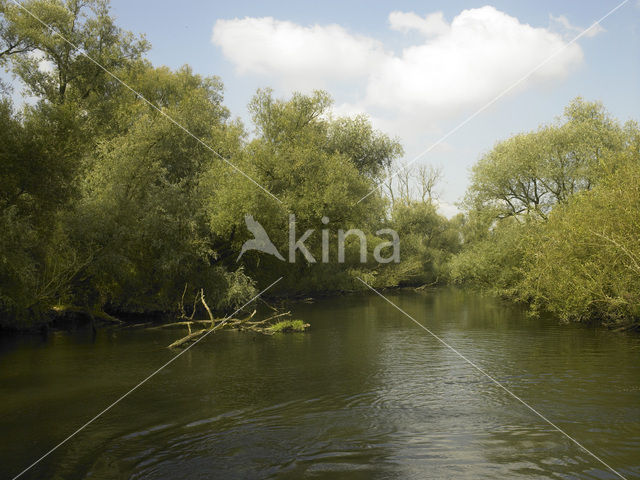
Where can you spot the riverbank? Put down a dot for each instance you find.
(69, 318)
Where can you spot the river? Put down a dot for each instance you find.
(364, 394)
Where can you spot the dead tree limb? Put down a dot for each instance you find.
(192, 336)
(243, 324)
(213, 322)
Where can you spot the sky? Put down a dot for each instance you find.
(418, 69)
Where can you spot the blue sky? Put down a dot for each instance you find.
(417, 74)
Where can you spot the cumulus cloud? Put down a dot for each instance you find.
(431, 25)
(483, 52)
(452, 66)
(296, 55)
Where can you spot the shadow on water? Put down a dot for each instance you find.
(364, 394)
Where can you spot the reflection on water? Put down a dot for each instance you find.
(364, 394)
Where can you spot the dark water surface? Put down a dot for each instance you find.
(364, 394)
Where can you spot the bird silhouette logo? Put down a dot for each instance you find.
(261, 240)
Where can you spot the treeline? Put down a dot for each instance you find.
(553, 219)
(107, 204)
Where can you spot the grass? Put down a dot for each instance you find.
(289, 326)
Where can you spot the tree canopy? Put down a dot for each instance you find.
(125, 187)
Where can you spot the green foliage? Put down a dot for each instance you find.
(529, 173)
(238, 288)
(86, 27)
(296, 157)
(495, 262)
(140, 214)
(553, 219)
(585, 264)
(370, 151)
(106, 204)
(427, 244)
(288, 326)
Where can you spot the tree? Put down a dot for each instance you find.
(552, 219)
(428, 242)
(81, 29)
(36, 262)
(530, 173)
(140, 216)
(406, 183)
(12, 41)
(306, 116)
(585, 263)
(429, 177)
(369, 150)
(297, 157)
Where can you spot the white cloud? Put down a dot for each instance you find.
(457, 65)
(564, 23)
(300, 57)
(431, 25)
(483, 52)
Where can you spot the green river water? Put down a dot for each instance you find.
(364, 394)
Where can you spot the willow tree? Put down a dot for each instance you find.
(585, 264)
(316, 167)
(529, 173)
(51, 139)
(140, 216)
(553, 218)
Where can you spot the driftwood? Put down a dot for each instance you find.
(185, 323)
(261, 326)
(192, 336)
(188, 339)
(268, 305)
(188, 320)
(213, 322)
(243, 324)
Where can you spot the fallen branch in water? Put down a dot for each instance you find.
(195, 335)
(185, 323)
(213, 322)
(267, 326)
